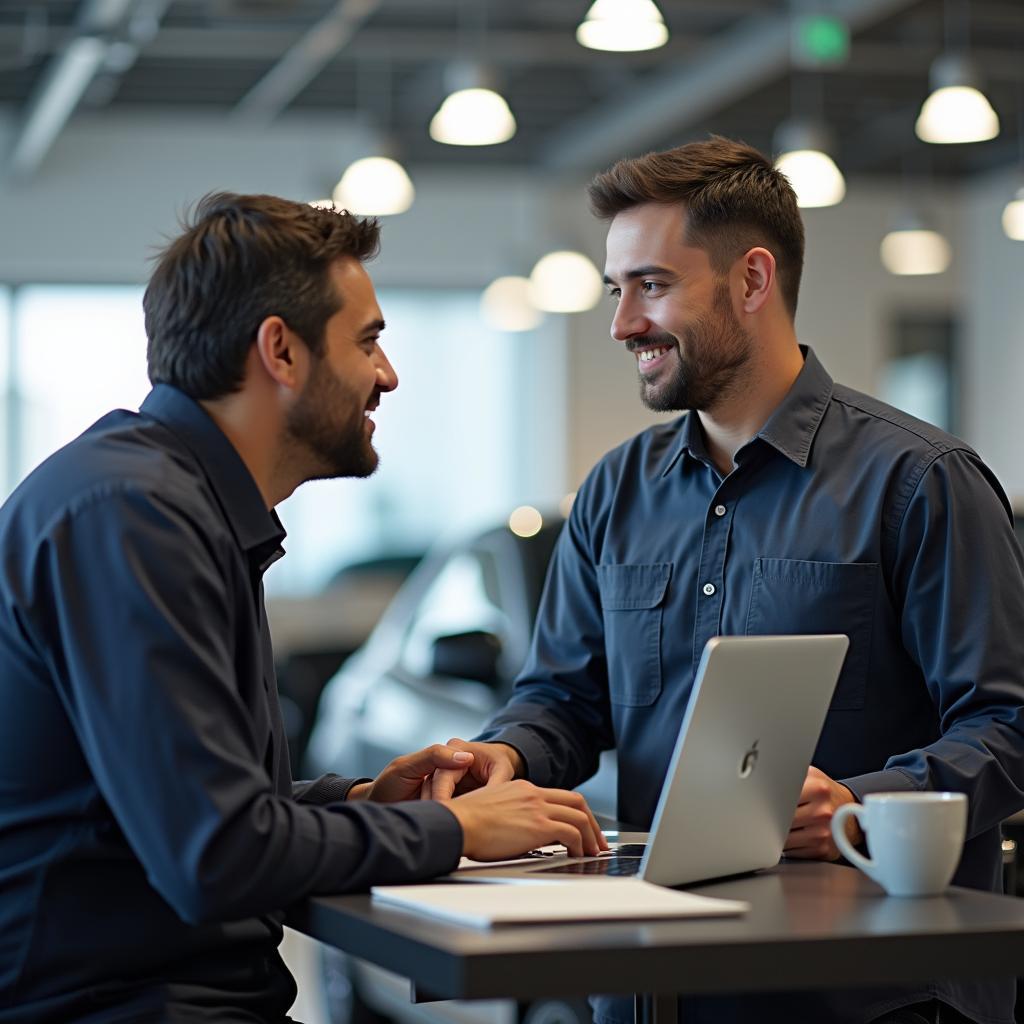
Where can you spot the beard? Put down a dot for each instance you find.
(712, 354)
(327, 424)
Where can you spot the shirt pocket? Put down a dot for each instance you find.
(792, 596)
(632, 602)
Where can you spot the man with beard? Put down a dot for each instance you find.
(780, 503)
(150, 831)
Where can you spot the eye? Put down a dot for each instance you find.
(650, 287)
(614, 293)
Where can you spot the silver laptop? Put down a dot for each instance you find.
(746, 739)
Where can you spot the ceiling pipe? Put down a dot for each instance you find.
(305, 60)
(70, 72)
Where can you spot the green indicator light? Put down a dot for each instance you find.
(823, 39)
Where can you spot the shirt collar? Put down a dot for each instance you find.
(256, 528)
(790, 428)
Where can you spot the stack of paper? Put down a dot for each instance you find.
(621, 899)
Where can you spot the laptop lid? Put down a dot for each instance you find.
(744, 745)
(732, 786)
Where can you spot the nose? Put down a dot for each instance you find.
(387, 379)
(628, 321)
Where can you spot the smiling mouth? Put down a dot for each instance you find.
(648, 355)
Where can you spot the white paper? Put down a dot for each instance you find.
(624, 899)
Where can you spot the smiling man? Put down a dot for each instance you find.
(780, 502)
(150, 831)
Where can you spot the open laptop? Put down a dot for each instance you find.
(746, 739)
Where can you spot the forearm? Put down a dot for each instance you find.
(279, 852)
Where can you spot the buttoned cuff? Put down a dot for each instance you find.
(890, 780)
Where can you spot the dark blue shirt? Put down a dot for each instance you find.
(150, 831)
(843, 515)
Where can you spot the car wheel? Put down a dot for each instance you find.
(557, 1011)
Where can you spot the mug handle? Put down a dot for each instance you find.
(845, 846)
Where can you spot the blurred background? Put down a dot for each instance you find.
(900, 122)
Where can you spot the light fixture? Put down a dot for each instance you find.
(957, 110)
(374, 186)
(1013, 217)
(803, 146)
(525, 521)
(505, 305)
(914, 249)
(473, 113)
(565, 282)
(622, 25)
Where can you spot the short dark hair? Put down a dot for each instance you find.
(735, 199)
(241, 259)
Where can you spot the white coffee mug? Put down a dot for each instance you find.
(915, 839)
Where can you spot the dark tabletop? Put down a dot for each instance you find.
(810, 924)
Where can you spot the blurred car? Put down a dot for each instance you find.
(440, 662)
(313, 635)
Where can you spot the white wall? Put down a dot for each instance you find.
(113, 186)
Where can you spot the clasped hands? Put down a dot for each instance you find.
(500, 815)
(498, 810)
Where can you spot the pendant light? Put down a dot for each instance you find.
(956, 111)
(914, 248)
(565, 282)
(802, 145)
(622, 25)
(474, 113)
(374, 186)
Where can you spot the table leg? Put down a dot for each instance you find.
(656, 1008)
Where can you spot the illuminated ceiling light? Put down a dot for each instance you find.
(525, 521)
(803, 158)
(913, 249)
(622, 25)
(565, 282)
(322, 204)
(375, 186)
(565, 505)
(473, 114)
(1013, 217)
(505, 305)
(957, 110)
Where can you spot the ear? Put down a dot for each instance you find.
(759, 279)
(281, 352)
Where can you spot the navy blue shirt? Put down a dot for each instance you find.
(843, 515)
(150, 831)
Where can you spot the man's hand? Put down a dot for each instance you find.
(506, 819)
(810, 835)
(404, 777)
(492, 764)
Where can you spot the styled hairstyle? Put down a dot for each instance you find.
(241, 259)
(735, 200)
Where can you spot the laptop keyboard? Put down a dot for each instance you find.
(624, 862)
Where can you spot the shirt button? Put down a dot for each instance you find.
(709, 589)
(719, 510)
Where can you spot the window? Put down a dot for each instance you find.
(451, 445)
(79, 352)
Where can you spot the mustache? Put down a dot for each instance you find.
(665, 340)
